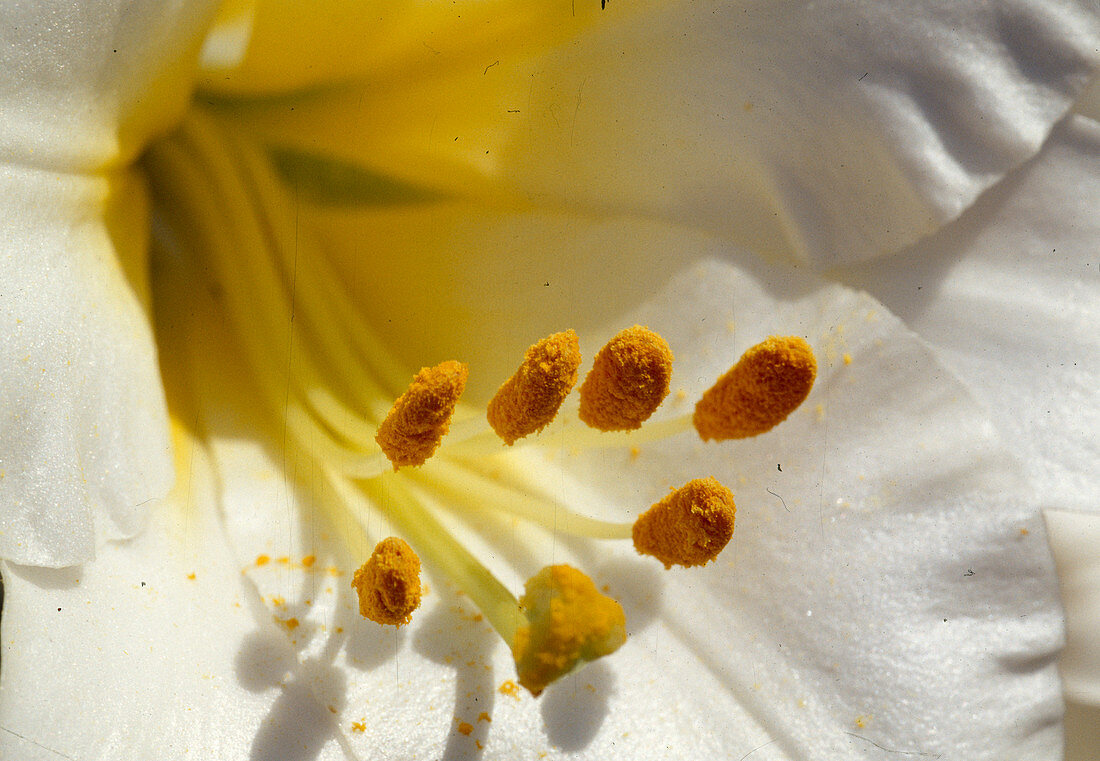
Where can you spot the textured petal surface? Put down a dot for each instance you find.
(86, 84)
(155, 650)
(1011, 295)
(884, 541)
(85, 427)
(828, 132)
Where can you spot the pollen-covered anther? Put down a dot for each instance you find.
(628, 381)
(569, 624)
(758, 393)
(529, 400)
(688, 527)
(420, 417)
(388, 584)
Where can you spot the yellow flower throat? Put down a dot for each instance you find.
(223, 205)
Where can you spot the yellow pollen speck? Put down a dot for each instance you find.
(290, 623)
(569, 623)
(529, 400)
(634, 453)
(509, 688)
(847, 358)
(420, 417)
(359, 726)
(388, 584)
(690, 526)
(483, 716)
(262, 560)
(628, 381)
(1024, 532)
(465, 728)
(758, 393)
(191, 576)
(308, 561)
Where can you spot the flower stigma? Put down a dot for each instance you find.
(569, 623)
(388, 584)
(319, 374)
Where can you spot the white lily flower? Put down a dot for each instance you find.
(359, 192)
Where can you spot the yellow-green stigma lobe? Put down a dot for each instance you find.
(758, 393)
(628, 381)
(420, 418)
(388, 584)
(569, 623)
(690, 526)
(529, 400)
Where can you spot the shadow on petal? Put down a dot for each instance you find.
(49, 578)
(369, 645)
(637, 585)
(574, 709)
(448, 635)
(263, 661)
(297, 728)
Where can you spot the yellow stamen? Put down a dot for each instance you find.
(529, 400)
(628, 381)
(758, 393)
(688, 527)
(569, 623)
(388, 584)
(420, 417)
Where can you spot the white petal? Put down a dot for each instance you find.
(831, 131)
(852, 127)
(84, 420)
(86, 84)
(133, 657)
(84, 87)
(1009, 295)
(889, 564)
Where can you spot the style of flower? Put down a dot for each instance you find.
(353, 193)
